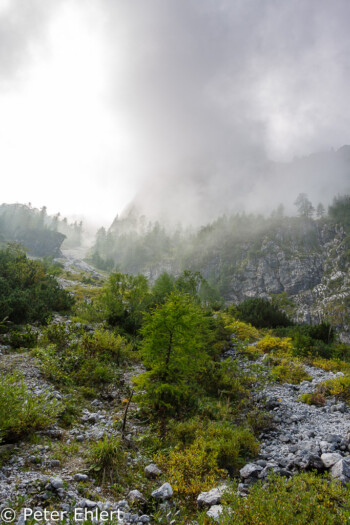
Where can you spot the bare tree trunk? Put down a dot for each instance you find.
(126, 413)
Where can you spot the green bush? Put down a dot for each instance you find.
(190, 470)
(58, 365)
(338, 387)
(341, 351)
(310, 340)
(285, 371)
(61, 334)
(304, 499)
(228, 381)
(21, 412)
(314, 398)
(262, 314)
(123, 301)
(260, 421)
(232, 446)
(205, 454)
(27, 292)
(26, 338)
(94, 373)
(106, 460)
(105, 346)
(184, 432)
(76, 358)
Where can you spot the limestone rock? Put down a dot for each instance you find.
(135, 496)
(214, 512)
(152, 471)
(331, 458)
(341, 470)
(213, 497)
(164, 492)
(250, 470)
(56, 483)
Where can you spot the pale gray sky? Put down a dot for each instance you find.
(106, 99)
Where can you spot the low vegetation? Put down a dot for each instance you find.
(315, 398)
(106, 460)
(21, 411)
(338, 387)
(305, 498)
(194, 408)
(69, 356)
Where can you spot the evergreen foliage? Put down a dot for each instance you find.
(40, 233)
(262, 314)
(304, 206)
(174, 349)
(27, 292)
(339, 211)
(124, 299)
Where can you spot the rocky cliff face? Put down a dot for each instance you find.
(41, 243)
(312, 269)
(307, 261)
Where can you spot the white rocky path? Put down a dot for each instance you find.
(305, 437)
(303, 433)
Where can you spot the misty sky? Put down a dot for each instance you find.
(173, 104)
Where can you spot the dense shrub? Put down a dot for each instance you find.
(314, 398)
(106, 346)
(286, 371)
(241, 330)
(341, 351)
(191, 470)
(338, 387)
(70, 356)
(262, 314)
(335, 365)
(274, 345)
(27, 292)
(60, 334)
(205, 453)
(260, 421)
(22, 412)
(232, 446)
(310, 340)
(227, 381)
(322, 332)
(304, 499)
(26, 338)
(123, 301)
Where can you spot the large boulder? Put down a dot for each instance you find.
(309, 461)
(341, 470)
(152, 471)
(213, 497)
(135, 496)
(331, 458)
(164, 492)
(250, 470)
